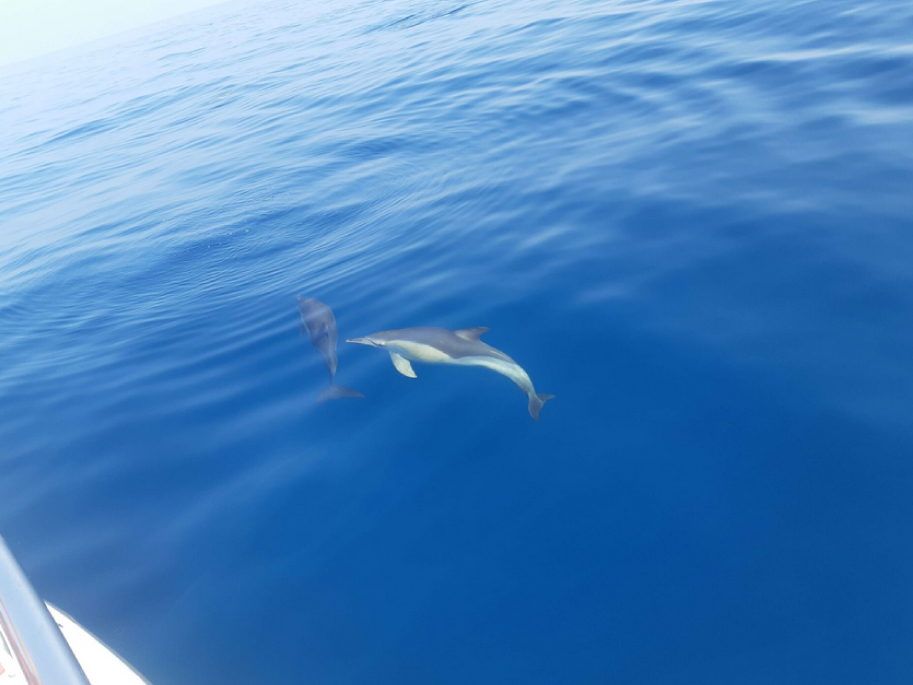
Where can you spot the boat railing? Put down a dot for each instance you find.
(32, 649)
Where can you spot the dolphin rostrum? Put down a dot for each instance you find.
(318, 322)
(460, 348)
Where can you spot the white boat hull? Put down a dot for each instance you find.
(100, 663)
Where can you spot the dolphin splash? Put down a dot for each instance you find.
(318, 322)
(458, 348)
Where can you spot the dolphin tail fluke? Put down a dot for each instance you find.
(536, 402)
(334, 392)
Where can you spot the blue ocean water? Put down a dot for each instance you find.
(690, 221)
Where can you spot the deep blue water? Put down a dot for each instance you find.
(692, 222)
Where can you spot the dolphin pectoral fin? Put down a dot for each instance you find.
(300, 328)
(402, 365)
(472, 333)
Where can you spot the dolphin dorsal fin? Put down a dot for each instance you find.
(472, 333)
(402, 365)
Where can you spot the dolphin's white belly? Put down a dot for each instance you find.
(419, 352)
(512, 370)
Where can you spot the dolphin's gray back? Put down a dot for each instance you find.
(320, 323)
(446, 341)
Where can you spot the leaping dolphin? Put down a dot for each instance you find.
(318, 322)
(460, 348)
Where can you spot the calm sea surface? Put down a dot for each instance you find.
(692, 222)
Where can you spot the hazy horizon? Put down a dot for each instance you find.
(46, 26)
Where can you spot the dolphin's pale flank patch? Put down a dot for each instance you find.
(318, 322)
(455, 348)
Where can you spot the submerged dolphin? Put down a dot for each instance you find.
(460, 348)
(318, 322)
